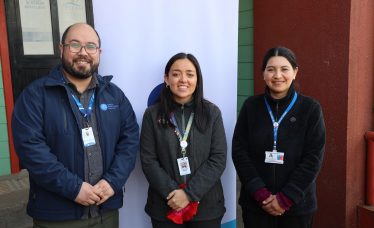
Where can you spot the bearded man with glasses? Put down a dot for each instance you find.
(77, 135)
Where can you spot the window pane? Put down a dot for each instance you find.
(70, 12)
(36, 27)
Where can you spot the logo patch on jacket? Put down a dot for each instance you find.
(106, 107)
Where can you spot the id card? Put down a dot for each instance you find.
(88, 137)
(274, 157)
(184, 166)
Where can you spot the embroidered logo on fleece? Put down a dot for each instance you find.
(106, 107)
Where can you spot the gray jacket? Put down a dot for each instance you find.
(206, 153)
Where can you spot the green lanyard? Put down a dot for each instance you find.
(182, 139)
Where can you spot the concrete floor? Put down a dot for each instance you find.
(14, 191)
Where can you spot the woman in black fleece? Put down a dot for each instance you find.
(183, 151)
(277, 149)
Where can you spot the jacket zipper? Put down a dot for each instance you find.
(98, 125)
(70, 102)
(183, 131)
(274, 178)
(274, 165)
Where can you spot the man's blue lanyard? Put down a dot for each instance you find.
(85, 114)
(182, 136)
(277, 123)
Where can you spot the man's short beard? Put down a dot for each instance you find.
(78, 74)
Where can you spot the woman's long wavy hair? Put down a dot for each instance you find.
(168, 105)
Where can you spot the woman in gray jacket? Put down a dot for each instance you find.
(183, 151)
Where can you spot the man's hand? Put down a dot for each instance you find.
(87, 195)
(104, 190)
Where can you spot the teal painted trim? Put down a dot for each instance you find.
(2, 115)
(4, 166)
(231, 224)
(245, 70)
(243, 85)
(245, 5)
(245, 36)
(4, 153)
(4, 150)
(245, 52)
(246, 19)
(2, 98)
(1, 78)
(3, 132)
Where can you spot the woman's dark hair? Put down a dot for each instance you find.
(168, 104)
(280, 51)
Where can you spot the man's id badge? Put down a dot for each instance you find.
(274, 157)
(184, 166)
(88, 137)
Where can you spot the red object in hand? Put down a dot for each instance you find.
(191, 211)
(184, 215)
(176, 216)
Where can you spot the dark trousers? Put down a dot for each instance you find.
(255, 220)
(107, 220)
(216, 223)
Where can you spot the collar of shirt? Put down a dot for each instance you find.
(93, 84)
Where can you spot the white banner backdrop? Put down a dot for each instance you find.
(138, 38)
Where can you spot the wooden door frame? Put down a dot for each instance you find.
(8, 91)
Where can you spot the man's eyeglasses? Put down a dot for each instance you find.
(77, 47)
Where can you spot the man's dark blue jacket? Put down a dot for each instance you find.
(47, 139)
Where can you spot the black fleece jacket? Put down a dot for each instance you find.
(206, 152)
(301, 136)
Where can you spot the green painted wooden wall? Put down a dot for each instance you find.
(245, 51)
(4, 144)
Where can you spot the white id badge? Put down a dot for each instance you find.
(88, 137)
(184, 166)
(274, 157)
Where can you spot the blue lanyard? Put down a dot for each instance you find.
(277, 123)
(85, 114)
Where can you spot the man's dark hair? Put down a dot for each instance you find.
(63, 38)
